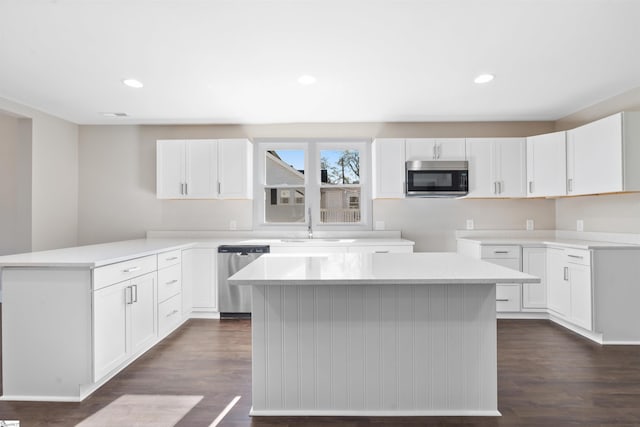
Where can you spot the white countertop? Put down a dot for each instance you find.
(550, 241)
(376, 269)
(92, 256)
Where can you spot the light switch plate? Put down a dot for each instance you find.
(470, 224)
(529, 225)
(580, 225)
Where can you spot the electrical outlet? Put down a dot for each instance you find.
(580, 225)
(233, 225)
(529, 225)
(470, 224)
(379, 225)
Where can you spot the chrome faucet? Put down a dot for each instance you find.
(309, 226)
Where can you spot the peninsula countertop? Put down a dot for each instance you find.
(377, 268)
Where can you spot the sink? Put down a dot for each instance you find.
(316, 240)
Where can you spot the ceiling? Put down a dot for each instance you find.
(238, 61)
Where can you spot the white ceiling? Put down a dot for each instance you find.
(237, 61)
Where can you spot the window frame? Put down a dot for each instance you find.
(312, 182)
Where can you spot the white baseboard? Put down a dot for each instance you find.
(371, 413)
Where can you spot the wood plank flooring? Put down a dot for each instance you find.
(547, 377)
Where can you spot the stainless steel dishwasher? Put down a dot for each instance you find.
(235, 301)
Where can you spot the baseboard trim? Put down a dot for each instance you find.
(370, 413)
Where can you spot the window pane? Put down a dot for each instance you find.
(284, 204)
(339, 205)
(340, 166)
(284, 167)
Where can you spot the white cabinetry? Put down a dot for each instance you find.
(534, 262)
(204, 169)
(435, 149)
(508, 295)
(602, 156)
(570, 295)
(546, 165)
(496, 167)
(169, 291)
(388, 156)
(200, 282)
(124, 321)
(381, 249)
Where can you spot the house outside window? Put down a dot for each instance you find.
(325, 180)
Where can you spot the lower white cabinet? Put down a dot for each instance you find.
(381, 249)
(508, 297)
(534, 262)
(570, 294)
(199, 278)
(124, 321)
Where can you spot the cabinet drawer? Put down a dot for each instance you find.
(508, 297)
(165, 259)
(500, 252)
(114, 273)
(169, 282)
(578, 256)
(169, 314)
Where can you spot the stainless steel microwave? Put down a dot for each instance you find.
(437, 178)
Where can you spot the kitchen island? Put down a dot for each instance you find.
(374, 334)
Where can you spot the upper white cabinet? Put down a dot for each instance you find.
(496, 167)
(204, 169)
(602, 156)
(546, 165)
(388, 156)
(435, 149)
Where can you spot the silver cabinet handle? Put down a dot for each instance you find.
(439, 150)
(530, 186)
(128, 295)
(566, 273)
(435, 156)
(172, 313)
(500, 252)
(131, 270)
(219, 187)
(171, 282)
(576, 256)
(135, 292)
(499, 187)
(570, 185)
(186, 188)
(502, 299)
(381, 252)
(495, 187)
(173, 258)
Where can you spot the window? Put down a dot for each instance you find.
(324, 180)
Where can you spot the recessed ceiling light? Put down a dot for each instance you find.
(133, 83)
(111, 114)
(306, 80)
(483, 78)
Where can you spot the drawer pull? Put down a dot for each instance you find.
(502, 299)
(131, 270)
(172, 313)
(381, 252)
(173, 258)
(576, 256)
(500, 252)
(171, 282)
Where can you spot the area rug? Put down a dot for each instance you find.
(142, 410)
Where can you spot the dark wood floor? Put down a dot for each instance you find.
(547, 377)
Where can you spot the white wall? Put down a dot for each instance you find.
(15, 184)
(117, 182)
(54, 176)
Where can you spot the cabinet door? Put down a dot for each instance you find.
(170, 169)
(450, 149)
(388, 168)
(580, 282)
(110, 328)
(199, 274)
(547, 165)
(201, 169)
(481, 167)
(594, 157)
(558, 283)
(235, 168)
(510, 167)
(420, 149)
(534, 262)
(142, 312)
